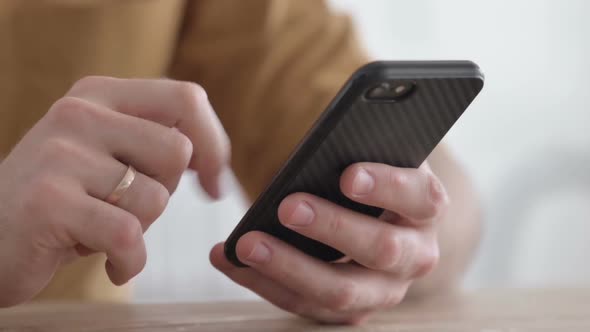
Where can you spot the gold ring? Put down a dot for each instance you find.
(122, 187)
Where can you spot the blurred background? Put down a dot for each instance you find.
(525, 141)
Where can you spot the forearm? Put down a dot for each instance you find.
(459, 231)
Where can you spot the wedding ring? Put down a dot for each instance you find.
(123, 186)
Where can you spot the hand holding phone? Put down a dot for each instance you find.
(352, 189)
(394, 113)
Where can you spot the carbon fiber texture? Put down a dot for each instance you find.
(400, 134)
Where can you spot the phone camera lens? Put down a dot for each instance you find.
(390, 91)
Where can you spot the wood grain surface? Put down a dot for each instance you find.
(483, 311)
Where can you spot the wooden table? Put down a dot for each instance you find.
(484, 311)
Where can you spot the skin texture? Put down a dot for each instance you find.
(420, 246)
(459, 230)
(54, 182)
(395, 249)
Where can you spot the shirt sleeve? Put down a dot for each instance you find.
(269, 68)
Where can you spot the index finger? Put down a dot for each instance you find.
(182, 105)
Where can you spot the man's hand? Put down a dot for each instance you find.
(54, 183)
(385, 254)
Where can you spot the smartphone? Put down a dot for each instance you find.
(391, 112)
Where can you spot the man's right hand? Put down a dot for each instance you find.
(53, 185)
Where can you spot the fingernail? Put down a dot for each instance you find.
(260, 254)
(363, 183)
(302, 215)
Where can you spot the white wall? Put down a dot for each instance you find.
(525, 140)
(178, 267)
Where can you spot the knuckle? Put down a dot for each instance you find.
(430, 210)
(428, 262)
(46, 187)
(335, 223)
(70, 111)
(66, 110)
(388, 250)
(181, 150)
(191, 93)
(128, 232)
(344, 297)
(88, 83)
(58, 148)
(195, 97)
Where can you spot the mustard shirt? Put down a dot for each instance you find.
(269, 68)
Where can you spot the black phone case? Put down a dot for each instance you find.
(353, 129)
